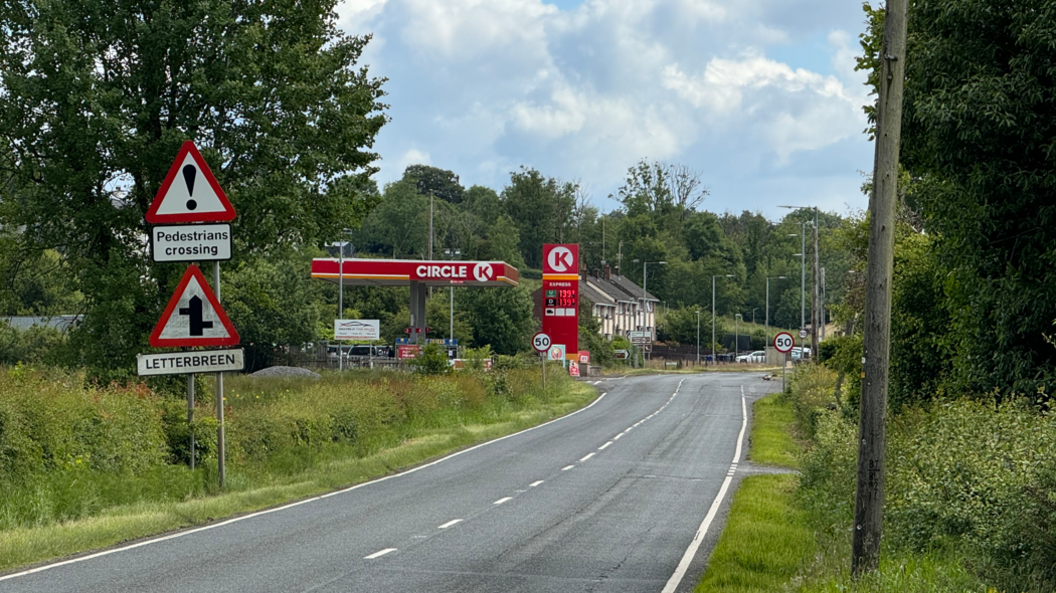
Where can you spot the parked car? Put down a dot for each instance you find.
(757, 356)
(800, 353)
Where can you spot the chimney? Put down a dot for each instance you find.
(608, 272)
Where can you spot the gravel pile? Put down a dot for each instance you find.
(281, 371)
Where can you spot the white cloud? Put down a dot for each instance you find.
(584, 93)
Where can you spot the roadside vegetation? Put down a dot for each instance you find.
(969, 504)
(84, 467)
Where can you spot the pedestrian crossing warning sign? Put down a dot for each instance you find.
(190, 192)
(193, 316)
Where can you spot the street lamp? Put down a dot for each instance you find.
(452, 254)
(341, 293)
(713, 359)
(815, 296)
(736, 334)
(768, 278)
(645, 282)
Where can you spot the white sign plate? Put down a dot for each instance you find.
(198, 361)
(189, 243)
(357, 329)
(541, 342)
(802, 333)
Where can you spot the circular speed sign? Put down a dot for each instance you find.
(783, 342)
(541, 342)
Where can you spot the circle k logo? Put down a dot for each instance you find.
(560, 259)
(483, 272)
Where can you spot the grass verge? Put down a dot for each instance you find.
(249, 491)
(772, 427)
(765, 541)
(767, 538)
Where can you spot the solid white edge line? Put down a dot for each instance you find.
(379, 553)
(449, 524)
(691, 551)
(290, 505)
(536, 483)
(586, 457)
(503, 499)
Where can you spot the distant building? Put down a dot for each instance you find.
(619, 305)
(59, 322)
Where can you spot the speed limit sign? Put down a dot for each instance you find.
(541, 342)
(783, 342)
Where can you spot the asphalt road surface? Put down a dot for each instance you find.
(612, 498)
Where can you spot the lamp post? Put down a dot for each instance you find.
(341, 293)
(713, 359)
(645, 283)
(768, 278)
(815, 295)
(452, 254)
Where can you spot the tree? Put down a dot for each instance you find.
(979, 130)
(500, 317)
(98, 96)
(435, 182)
(399, 226)
(541, 207)
(687, 190)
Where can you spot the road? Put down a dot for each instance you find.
(608, 499)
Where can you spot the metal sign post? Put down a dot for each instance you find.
(190, 413)
(219, 397)
(783, 343)
(541, 344)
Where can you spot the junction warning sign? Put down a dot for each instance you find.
(193, 317)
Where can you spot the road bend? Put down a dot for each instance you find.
(618, 497)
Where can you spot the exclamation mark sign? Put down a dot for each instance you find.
(189, 172)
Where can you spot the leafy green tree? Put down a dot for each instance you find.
(541, 207)
(500, 317)
(440, 183)
(98, 97)
(274, 303)
(979, 127)
(399, 225)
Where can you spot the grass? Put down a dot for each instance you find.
(768, 538)
(294, 473)
(772, 427)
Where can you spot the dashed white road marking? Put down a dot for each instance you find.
(379, 553)
(567, 467)
(449, 524)
(503, 499)
(536, 483)
(602, 448)
(586, 457)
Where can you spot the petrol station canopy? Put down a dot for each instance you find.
(403, 272)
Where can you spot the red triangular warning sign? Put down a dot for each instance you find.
(193, 316)
(190, 192)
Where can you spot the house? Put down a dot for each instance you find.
(619, 305)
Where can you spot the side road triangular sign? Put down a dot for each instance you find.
(193, 316)
(190, 192)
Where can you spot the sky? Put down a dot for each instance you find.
(759, 97)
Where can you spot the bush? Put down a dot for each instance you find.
(432, 361)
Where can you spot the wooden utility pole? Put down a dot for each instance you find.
(869, 498)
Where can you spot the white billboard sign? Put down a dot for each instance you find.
(357, 329)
